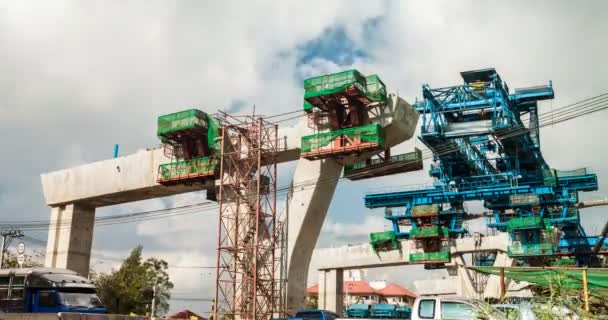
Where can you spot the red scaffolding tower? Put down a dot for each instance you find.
(248, 281)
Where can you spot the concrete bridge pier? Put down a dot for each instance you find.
(331, 283)
(70, 237)
(316, 182)
(492, 289)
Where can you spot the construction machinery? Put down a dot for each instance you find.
(190, 139)
(486, 146)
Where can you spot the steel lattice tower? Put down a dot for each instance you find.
(248, 257)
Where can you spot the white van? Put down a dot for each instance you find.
(453, 308)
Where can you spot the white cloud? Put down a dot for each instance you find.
(344, 231)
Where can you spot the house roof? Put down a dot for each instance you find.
(393, 290)
(314, 289)
(185, 314)
(357, 287)
(361, 287)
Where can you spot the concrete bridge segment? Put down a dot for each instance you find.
(74, 193)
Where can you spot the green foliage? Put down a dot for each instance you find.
(312, 303)
(122, 291)
(31, 261)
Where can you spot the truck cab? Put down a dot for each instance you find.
(453, 308)
(47, 290)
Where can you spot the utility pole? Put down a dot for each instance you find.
(7, 237)
(153, 309)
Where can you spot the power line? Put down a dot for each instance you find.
(191, 299)
(115, 219)
(102, 257)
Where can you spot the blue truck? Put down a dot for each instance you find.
(47, 290)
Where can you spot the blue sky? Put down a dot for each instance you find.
(79, 78)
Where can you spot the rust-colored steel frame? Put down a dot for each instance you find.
(246, 283)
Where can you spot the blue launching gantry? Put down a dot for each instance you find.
(486, 146)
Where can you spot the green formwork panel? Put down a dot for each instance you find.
(385, 238)
(428, 232)
(564, 262)
(333, 83)
(549, 177)
(443, 256)
(214, 139)
(571, 173)
(409, 157)
(373, 133)
(180, 121)
(187, 168)
(376, 90)
(530, 249)
(307, 106)
(524, 223)
(425, 210)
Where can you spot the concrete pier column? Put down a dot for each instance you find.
(331, 284)
(492, 289)
(314, 185)
(465, 286)
(70, 238)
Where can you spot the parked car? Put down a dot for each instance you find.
(314, 314)
(453, 308)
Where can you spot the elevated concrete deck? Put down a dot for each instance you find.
(363, 256)
(121, 180)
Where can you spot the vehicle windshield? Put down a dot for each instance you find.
(80, 300)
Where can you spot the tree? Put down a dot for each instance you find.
(124, 290)
(31, 261)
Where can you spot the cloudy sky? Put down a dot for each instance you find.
(77, 77)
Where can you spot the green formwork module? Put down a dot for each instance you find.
(179, 121)
(371, 87)
(385, 238)
(425, 210)
(184, 121)
(427, 232)
(184, 168)
(443, 256)
(530, 249)
(333, 83)
(524, 223)
(373, 133)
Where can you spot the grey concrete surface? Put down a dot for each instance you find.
(331, 285)
(70, 238)
(363, 256)
(315, 183)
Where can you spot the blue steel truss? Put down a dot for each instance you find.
(486, 146)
